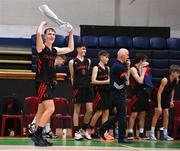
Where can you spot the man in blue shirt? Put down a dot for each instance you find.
(119, 78)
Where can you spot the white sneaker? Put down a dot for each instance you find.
(32, 128)
(152, 136)
(85, 134)
(168, 138)
(78, 136)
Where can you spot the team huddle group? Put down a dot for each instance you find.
(109, 85)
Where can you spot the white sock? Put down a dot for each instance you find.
(130, 130)
(141, 130)
(152, 129)
(165, 131)
(47, 127)
(34, 120)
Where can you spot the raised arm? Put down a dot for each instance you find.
(70, 47)
(137, 77)
(39, 41)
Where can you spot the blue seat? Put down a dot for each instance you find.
(173, 61)
(156, 80)
(112, 53)
(106, 42)
(141, 43)
(33, 49)
(173, 54)
(111, 61)
(90, 41)
(146, 52)
(123, 42)
(132, 53)
(77, 40)
(63, 69)
(159, 73)
(92, 52)
(159, 54)
(33, 39)
(34, 59)
(158, 43)
(173, 43)
(94, 61)
(160, 63)
(59, 41)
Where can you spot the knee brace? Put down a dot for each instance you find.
(87, 116)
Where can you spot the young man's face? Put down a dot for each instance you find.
(59, 62)
(81, 51)
(50, 36)
(104, 59)
(176, 74)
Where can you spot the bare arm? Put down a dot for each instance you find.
(70, 47)
(160, 90)
(39, 42)
(134, 73)
(71, 69)
(94, 77)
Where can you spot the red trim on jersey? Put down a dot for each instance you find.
(96, 100)
(41, 91)
(122, 74)
(39, 62)
(75, 92)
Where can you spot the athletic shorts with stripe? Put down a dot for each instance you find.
(43, 91)
(141, 102)
(82, 95)
(101, 100)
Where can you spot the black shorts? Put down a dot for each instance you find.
(82, 95)
(165, 103)
(101, 100)
(44, 91)
(141, 102)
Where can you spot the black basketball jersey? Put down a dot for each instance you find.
(166, 94)
(45, 65)
(102, 74)
(81, 73)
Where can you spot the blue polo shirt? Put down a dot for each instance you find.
(117, 75)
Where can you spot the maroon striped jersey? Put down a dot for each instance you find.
(45, 65)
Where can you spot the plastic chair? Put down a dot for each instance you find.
(18, 116)
(61, 104)
(176, 118)
(30, 108)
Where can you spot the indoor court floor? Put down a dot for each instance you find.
(25, 144)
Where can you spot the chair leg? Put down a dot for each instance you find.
(3, 125)
(174, 130)
(22, 125)
(53, 125)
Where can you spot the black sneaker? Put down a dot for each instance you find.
(95, 135)
(50, 134)
(130, 136)
(39, 141)
(142, 136)
(124, 140)
(48, 143)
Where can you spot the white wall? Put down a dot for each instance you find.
(21, 15)
(25, 12)
(151, 13)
